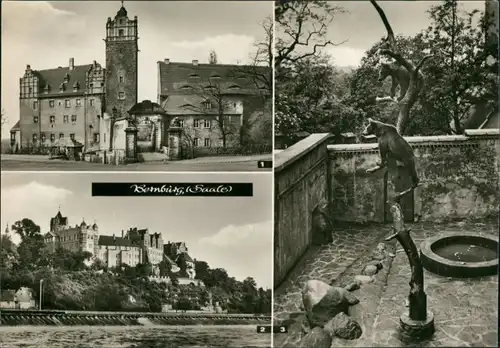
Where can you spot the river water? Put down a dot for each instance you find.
(133, 336)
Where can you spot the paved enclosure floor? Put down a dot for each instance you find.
(465, 310)
(207, 164)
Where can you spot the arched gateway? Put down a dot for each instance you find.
(152, 124)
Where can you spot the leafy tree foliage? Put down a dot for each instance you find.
(460, 78)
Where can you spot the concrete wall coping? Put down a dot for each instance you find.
(292, 154)
(421, 140)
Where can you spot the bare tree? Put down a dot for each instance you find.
(215, 104)
(259, 71)
(188, 138)
(389, 48)
(303, 27)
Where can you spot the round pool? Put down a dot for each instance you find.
(461, 255)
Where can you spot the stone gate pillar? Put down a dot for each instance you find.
(174, 143)
(130, 144)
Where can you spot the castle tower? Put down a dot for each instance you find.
(121, 63)
(58, 222)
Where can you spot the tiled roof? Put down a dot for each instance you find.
(186, 105)
(176, 78)
(55, 77)
(62, 220)
(187, 258)
(16, 127)
(118, 241)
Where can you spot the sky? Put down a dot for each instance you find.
(234, 233)
(361, 25)
(46, 34)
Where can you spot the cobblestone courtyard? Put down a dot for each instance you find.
(465, 310)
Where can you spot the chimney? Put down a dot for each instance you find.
(28, 67)
(195, 62)
(114, 238)
(166, 61)
(122, 233)
(71, 63)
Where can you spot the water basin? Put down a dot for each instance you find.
(461, 255)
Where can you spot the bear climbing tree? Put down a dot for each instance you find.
(389, 49)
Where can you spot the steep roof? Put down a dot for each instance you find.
(16, 127)
(55, 77)
(179, 78)
(62, 219)
(188, 105)
(111, 241)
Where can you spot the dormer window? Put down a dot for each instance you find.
(186, 87)
(208, 88)
(62, 87)
(215, 76)
(66, 77)
(47, 89)
(234, 87)
(207, 105)
(194, 76)
(76, 86)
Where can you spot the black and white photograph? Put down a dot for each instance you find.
(137, 85)
(82, 266)
(386, 206)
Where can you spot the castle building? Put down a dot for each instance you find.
(69, 102)
(134, 247)
(93, 105)
(178, 252)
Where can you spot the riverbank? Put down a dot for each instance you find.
(12, 317)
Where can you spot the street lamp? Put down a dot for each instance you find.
(40, 300)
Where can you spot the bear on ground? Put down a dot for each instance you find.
(321, 225)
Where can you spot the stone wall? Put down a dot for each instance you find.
(300, 174)
(459, 176)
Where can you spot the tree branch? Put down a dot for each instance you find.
(390, 39)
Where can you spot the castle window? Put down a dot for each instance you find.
(65, 119)
(35, 105)
(72, 136)
(91, 85)
(30, 90)
(207, 142)
(181, 123)
(92, 102)
(102, 84)
(121, 95)
(196, 142)
(43, 137)
(73, 118)
(121, 79)
(196, 123)
(52, 137)
(35, 119)
(51, 104)
(12, 136)
(67, 103)
(96, 137)
(78, 102)
(207, 105)
(206, 123)
(121, 32)
(52, 119)
(61, 135)
(35, 138)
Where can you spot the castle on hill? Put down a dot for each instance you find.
(93, 106)
(130, 248)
